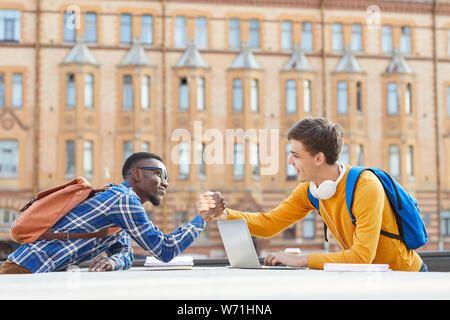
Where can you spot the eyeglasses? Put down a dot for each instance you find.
(162, 173)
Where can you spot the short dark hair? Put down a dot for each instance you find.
(136, 157)
(319, 135)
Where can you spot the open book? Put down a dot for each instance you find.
(342, 267)
(180, 262)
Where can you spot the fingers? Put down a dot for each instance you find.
(272, 259)
(210, 200)
(100, 263)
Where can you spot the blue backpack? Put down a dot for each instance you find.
(407, 214)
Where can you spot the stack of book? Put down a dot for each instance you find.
(180, 262)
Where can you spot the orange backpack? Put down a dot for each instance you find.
(37, 217)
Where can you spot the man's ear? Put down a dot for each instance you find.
(135, 175)
(320, 158)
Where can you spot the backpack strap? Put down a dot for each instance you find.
(315, 202)
(352, 178)
(50, 235)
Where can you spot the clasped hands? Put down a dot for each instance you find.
(211, 206)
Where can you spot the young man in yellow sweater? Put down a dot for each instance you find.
(316, 145)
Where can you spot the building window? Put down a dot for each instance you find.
(307, 36)
(88, 158)
(89, 91)
(125, 28)
(90, 27)
(291, 173)
(254, 34)
(145, 93)
(307, 96)
(234, 39)
(291, 96)
(356, 38)
(290, 233)
(2, 90)
(342, 99)
(184, 160)
(10, 25)
(405, 40)
(147, 29)
(238, 167)
(445, 223)
(237, 95)
(360, 154)
(71, 95)
(183, 95)
(9, 158)
(17, 89)
(345, 155)
(7, 217)
(309, 226)
(359, 97)
(180, 32)
(201, 94)
(394, 161)
(254, 96)
(286, 35)
(254, 159)
(127, 93)
(181, 218)
(201, 32)
(392, 96)
(145, 146)
(69, 27)
(448, 42)
(70, 159)
(408, 99)
(386, 39)
(201, 161)
(127, 149)
(410, 162)
(337, 37)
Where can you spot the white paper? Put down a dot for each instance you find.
(177, 261)
(361, 267)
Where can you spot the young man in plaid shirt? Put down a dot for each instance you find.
(145, 179)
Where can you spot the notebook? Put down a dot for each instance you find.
(180, 262)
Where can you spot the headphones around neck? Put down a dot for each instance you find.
(327, 189)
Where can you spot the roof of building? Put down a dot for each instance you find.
(297, 61)
(191, 58)
(245, 59)
(348, 62)
(398, 63)
(136, 56)
(80, 54)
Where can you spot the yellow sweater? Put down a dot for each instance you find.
(360, 244)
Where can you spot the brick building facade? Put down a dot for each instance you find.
(85, 83)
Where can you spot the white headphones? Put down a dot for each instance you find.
(327, 189)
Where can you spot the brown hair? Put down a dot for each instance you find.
(319, 135)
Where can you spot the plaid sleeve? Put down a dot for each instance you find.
(121, 252)
(130, 216)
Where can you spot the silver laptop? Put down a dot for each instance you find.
(239, 245)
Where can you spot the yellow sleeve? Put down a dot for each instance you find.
(368, 211)
(267, 224)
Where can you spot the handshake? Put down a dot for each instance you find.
(211, 206)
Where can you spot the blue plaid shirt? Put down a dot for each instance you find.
(118, 206)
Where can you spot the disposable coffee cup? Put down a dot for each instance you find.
(293, 250)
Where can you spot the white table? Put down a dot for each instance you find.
(221, 283)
